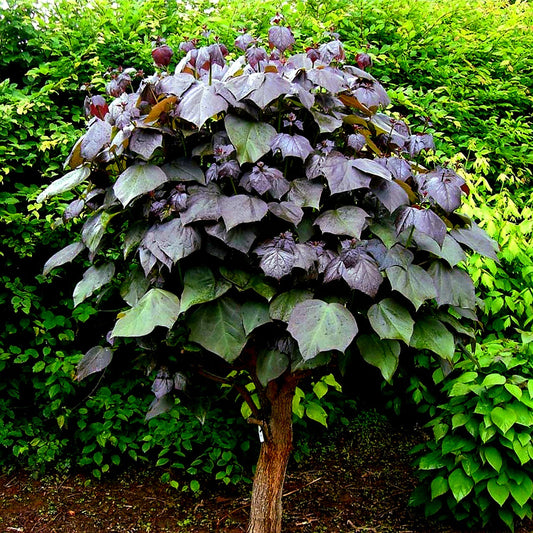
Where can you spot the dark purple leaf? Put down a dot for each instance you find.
(291, 145)
(342, 174)
(330, 51)
(326, 123)
(400, 169)
(273, 87)
(419, 142)
(305, 193)
(346, 220)
(174, 85)
(163, 384)
(454, 286)
(357, 141)
(371, 167)
(451, 251)
(240, 238)
(443, 186)
(390, 194)
(477, 240)
(244, 41)
(145, 142)
(178, 199)
(202, 204)
(288, 211)
(398, 255)
(263, 178)
(423, 220)
(364, 276)
(280, 37)
(277, 263)
(147, 259)
(183, 169)
(328, 78)
(313, 168)
(305, 257)
(73, 209)
(216, 54)
(363, 60)
(413, 282)
(256, 55)
(334, 270)
(65, 255)
(95, 360)
(187, 46)
(200, 103)
(241, 209)
(96, 139)
(171, 241)
(162, 55)
(369, 97)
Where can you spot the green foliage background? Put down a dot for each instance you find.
(463, 70)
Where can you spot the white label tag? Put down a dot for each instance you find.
(261, 435)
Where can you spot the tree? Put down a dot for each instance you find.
(263, 219)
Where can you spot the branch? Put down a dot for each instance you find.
(242, 391)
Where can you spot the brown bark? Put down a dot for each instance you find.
(266, 509)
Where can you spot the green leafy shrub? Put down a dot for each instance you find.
(478, 467)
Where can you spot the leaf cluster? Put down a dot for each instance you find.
(271, 209)
(478, 467)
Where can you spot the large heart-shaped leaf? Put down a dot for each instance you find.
(254, 314)
(145, 142)
(381, 353)
(431, 334)
(93, 278)
(65, 255)
(251, 139)
(391, 320)
(288, 211)
(292, 145)
(305, 193)
(94, 228)
(363, 276)
(346, 220)
(424, 220)
(413, 282)
(450, 251)
(202, 204)
(273, 86)
(200, 103)
(218, 327)
(183, 169)
(280, 37)
(277, 262)
(66, 183)
(454, 286)
(270, 365)
(240, 209)
(477, 240)
(282, 305)
(156, 308)
(97, 137)
(171, 241)
(136, 180)
(240, 238)
(318, 327)
(460, 484)
(342, 174)
(200, 286)
(96, 359)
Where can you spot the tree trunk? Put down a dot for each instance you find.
(265, 511)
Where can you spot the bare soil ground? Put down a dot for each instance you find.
(355, 483)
